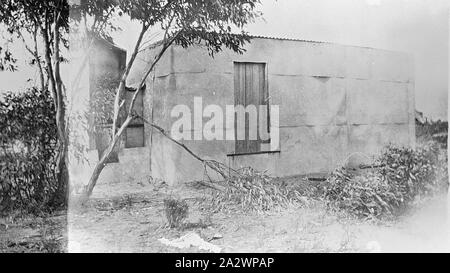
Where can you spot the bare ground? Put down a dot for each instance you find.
(25, 234)
(135, 222)
(120, 219)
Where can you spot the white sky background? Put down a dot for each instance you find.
(420, 27)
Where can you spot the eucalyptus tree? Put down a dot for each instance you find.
(43, 28)
(215, 24)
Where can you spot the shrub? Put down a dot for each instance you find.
(401, 176)
(176, 211)
(442, 179)
(253, 191)
(412, 172)
(28, 150)
(364, 195)
(436, 130)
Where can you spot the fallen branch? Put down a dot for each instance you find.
(364, 166)
(216, 166)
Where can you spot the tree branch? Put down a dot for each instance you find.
(214, 165)
(124, 77)
(38, 61)
(102, 162)
(35, 54)
(49, 65)
(166, 45)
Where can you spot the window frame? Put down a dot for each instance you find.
(136, 125)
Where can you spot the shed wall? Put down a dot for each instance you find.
(334, 100)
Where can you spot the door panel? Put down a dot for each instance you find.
(249, 89)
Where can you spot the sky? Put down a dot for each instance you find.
(419, 27)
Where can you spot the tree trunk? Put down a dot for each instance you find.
(103, 160)
(60, 196)
(117, 133)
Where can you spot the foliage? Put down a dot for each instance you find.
(7, 61)
(432, 130)
(362, 195)
(402, 176)
(22, 17)
(253, 191)
(28, 150)
(102, 11)
(214, 24)
(412, 171)
(43, 28)
(189, 22)
(16, 14)
(176, 211)
(101, 103)
(442, 179)
(193, 22)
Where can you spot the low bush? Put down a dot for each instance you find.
(176, 211)
(411, 172)
(432, 130)
(442, 179)
(363, 195)
(401, 176)
(252, 190)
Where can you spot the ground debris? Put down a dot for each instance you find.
(191, 239)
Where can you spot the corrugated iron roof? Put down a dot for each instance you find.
(322, 42)
(157, 43)
(153, 45)
(286, 39)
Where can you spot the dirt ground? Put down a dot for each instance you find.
(25, 234)
(125, 220)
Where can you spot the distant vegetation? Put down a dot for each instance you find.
(427, 130)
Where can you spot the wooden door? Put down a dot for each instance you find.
(249, 89)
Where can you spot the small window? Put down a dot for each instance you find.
(134, 135)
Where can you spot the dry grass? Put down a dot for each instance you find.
(176, 211)
(253, 191)
(135, 223)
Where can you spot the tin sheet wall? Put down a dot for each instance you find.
(334, 100)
